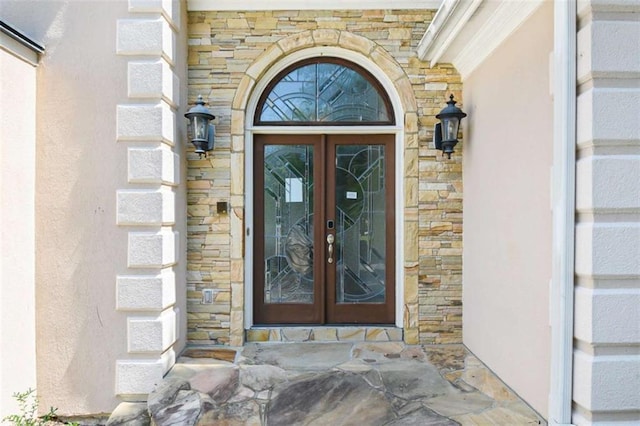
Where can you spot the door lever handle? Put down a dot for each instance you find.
(330, 240)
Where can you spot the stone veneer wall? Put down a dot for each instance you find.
(228, 52)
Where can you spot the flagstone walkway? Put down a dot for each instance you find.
(365, 383)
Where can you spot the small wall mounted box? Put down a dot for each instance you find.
(207, 296)
(222, 207)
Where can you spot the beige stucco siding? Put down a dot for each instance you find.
(108, 302)
(507, 216)
(80, 166)
(17, 229)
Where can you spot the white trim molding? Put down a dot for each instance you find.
(449, 21)
(19, 45)
(214, 5)
(465, 33)
(563, 200)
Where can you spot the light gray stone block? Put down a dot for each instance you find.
(146, 292)
(152, 37)
(152, 250)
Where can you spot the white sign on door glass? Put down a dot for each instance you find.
(352, 195)
(293, 190)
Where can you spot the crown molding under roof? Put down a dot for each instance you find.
(465, 32)
(214, 5)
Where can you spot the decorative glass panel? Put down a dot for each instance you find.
(288, 224)
(360, 224)
(324, 92)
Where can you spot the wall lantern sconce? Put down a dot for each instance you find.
(445, 135)
(202, 131)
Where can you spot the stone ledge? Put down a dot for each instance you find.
(325, 334)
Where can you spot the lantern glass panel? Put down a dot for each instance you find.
(200, 127)
(450, 128)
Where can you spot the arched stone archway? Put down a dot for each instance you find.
(400, 89)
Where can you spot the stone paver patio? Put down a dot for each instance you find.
(364, 383)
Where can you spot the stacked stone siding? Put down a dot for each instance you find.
(228, 52)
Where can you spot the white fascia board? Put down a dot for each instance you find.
(215, 5)
(18, 49)
(506, 19)
(467, 46)
(448, 22)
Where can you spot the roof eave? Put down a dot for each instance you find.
(19, 44)
(465, 32)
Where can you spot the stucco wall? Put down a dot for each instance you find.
(79, 246)
(17, 229)
(109, 279)
(507, 216)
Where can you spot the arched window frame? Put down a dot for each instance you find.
(325, 60)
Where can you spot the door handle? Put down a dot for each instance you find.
(330, 240)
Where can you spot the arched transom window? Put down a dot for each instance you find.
(324, 91)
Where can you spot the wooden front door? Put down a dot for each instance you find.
(324, 244)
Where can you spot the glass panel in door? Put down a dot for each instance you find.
(360, 200)
(323, 229)
(360, 224)
(288, 224)
(287, 270)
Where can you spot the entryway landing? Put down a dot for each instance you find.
(357, 383)
(324, 334)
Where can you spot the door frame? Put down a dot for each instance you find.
(399, 140)
(324, 310)
(399, 206)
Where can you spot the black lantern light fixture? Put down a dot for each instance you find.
(202, 131)
(445, 135)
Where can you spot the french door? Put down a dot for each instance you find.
(324, 245)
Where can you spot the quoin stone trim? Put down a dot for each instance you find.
(607, 237)
(230, 55)
(146, 129)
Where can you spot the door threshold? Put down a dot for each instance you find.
(350, 333)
